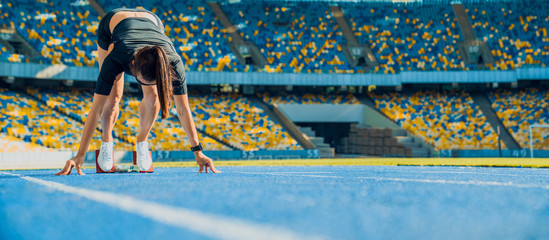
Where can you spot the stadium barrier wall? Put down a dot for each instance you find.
(517, 153)
(126, 156)
(34, 160)
(323, 112)
(63, 72)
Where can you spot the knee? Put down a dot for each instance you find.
(111, 105)
(151, 100)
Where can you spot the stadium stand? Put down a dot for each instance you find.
(5, 26)
(232, 120)
(165, 134)
(446, 120)
(5, 15)
(294, 37)
(516, 31)
(238, 122)
(75, 102)
(64, 32)
(34, 122)
(406, 37)
(7, 56)
(518, 109)
(13, 144)
(308, 98)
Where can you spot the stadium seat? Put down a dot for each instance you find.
(166, 135)
(296, 37)
(516, 32)
(240, 123)
(308, 98)
(14, 144)
(446, 120)
(62, 31)
(194, 30)
(34, 122)
(230, 120)
(518, 109)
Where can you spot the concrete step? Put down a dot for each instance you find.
(307, 131)
(306, 128)
(316, 140)
(326, 152)
(396, 132)
(420, 152)
(322, 145)
(404, 140)
(412, 144)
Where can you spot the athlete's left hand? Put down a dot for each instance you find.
(204, 162)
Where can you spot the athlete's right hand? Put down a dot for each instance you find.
(74, 162)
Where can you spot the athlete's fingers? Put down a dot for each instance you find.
(67, 169)
(206, 165)
(79, 169)
(201, 167)
(60, 172)
(70, 164)
(213, 168)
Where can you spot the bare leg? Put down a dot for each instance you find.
(111, 108)
(148, 112)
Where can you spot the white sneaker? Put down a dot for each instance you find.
(144, 160)
(105, 159)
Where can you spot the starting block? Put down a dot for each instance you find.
(122, 167)
(135, 162)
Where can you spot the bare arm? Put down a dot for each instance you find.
(186, 118)
(89, 126)
(96, 109)
(91, 123)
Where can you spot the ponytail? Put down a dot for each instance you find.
(163, 82)
(152, 64)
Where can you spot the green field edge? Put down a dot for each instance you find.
(459, 162)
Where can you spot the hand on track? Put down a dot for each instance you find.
(74, 162)
(205, 162)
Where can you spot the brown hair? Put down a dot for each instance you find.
(151, 63)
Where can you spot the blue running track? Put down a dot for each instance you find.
(328, 202)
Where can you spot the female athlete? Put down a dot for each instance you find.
(132, 41)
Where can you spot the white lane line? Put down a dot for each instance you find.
(210, 225)
(305, 172)
(470, 182)
(485, 173)
(290, 174)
